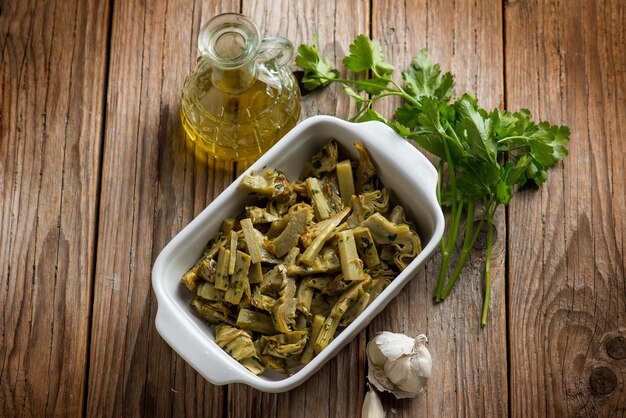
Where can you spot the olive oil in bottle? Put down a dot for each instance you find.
(241, 98)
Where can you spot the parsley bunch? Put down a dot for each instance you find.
(484, 156)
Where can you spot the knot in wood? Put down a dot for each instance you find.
(616, 348)
(602, 381)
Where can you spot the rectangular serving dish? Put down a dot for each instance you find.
(401, 167)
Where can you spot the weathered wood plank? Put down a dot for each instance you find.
(152, 186)
(337, 390)
(52, 65)
(567, 293)
(469, 363)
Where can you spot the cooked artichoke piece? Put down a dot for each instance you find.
(330, 187)
(322, 234)
(325, 160)
(316, 228)
(320, 205)
(366, 204)
(270, 362)
(206, 268)
(277, 227)
(299, 217)
(408, 252)
(400, 236)
(234, 238)
(351, 264)
(365, 171)
(239, 281)
(347, 299)
(284, 310)
(260, 215)
(301, 323)
(397, 216)
(326, 262)
(272, 184)
(320, 283)
(261, 301)
(304, 296)
(209, 292)
(285, 345)
(366, 247)
(221, 273)
(273, 280)
(355, 310)
(252, 242)
(255, 321)
(234, 341)
(212, 312)
(254, 364)
(190, 279)
(307, 354)
(346, 181)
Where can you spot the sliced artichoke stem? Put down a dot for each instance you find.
(255, 321)
(351, 264)
(221, 273)
(253, 245)
(234, 237)
(346, 181)
(366, 247)
(355, 310)
(321, 207)
(349, 297)
(309, 349)
(292, 256)
(304, 296)
(239, 281)
(255, 274)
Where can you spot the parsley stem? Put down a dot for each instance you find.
(483, 320)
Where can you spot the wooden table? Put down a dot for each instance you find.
(95, 180)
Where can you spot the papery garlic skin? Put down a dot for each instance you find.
(372, 407)
(399, 364)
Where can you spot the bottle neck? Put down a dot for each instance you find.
(234, 80)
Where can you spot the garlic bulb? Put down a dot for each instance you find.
(398, 364)
(372, 407)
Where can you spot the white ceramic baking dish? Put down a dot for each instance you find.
(402, 168)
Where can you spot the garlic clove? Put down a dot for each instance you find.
(394, 345)
(398, 371)
(375, 355)
(372, 407)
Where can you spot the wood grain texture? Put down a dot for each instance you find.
(470, 364)
(152, 186)
(52, 65)
(566, 60)
(337, 390)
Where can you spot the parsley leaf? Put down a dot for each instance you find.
(318, 71)
(366, 54)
